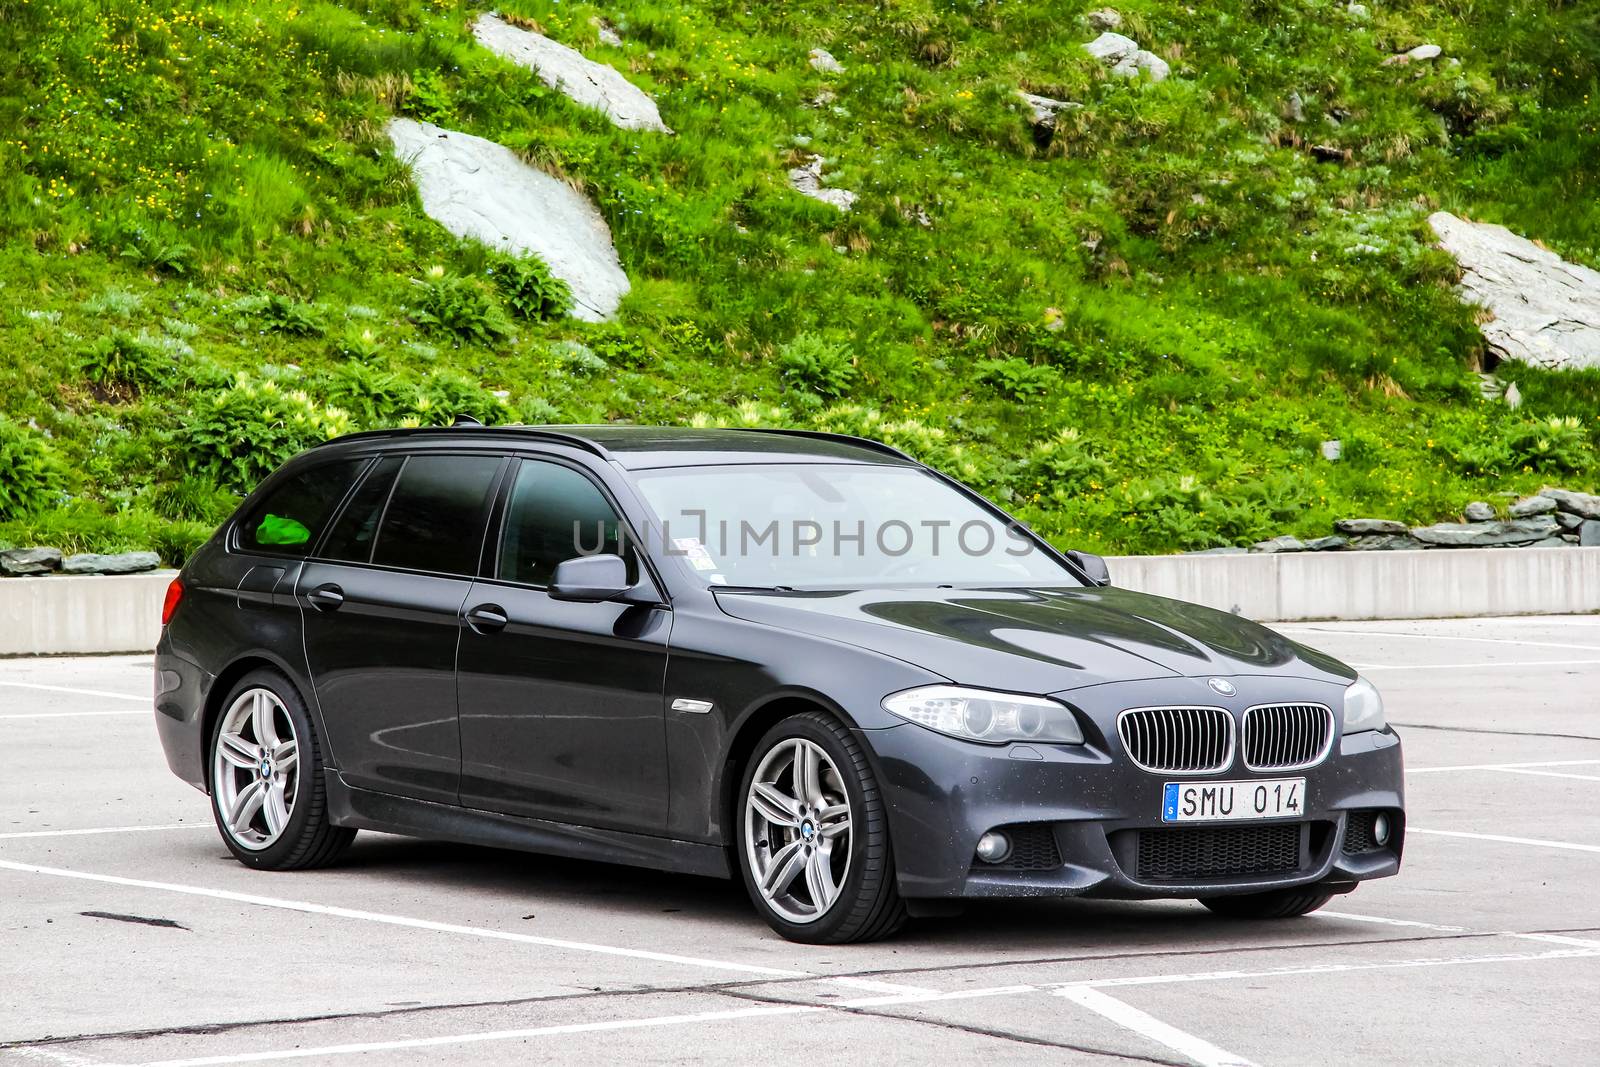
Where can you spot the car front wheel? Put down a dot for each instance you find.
(814, 838)
(267, 793)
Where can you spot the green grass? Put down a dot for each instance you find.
(1135, 336)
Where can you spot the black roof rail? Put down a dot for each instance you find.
(841, 438)
(535, 432)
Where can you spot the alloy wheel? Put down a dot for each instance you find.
(255, 769)
(798, 830)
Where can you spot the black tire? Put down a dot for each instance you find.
(1276, 904)
(308, 838)
(868, 906)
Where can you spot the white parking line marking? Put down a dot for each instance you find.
(1504, 766)
(145, 699)
(494, 1035)
(1127, 1016)
(1507, 840)
(1561, 939)
(872, 986)
(1383, 921)
(105, 830)
(402, 920)
(75, 714)
(1337, 968)
(53, 1055)
(931, 996)
(1478, 665)
(1451, 637)
(1548, 774)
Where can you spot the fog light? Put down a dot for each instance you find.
(1380, 828)
(993, 847)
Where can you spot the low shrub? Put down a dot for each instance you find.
(239, 435)
(30, 472)
(528, 288)
(459, 308)
(122, 364)
(276, 313)
(817, 365)
(1016, 379)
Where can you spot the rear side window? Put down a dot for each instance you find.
(434, 521)
(352, 535)
(294, 513)
(556, 514)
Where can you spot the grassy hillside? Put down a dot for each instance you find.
(1136, 335)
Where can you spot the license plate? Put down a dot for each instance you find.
(1267, 798)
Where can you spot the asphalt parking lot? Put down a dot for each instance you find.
(129, 935)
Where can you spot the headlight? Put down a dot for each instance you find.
(980, 715)
(1363, 707)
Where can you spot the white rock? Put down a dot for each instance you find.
(1044, 108)
(1546, 310)
(1111, 47)
(479, 189)
(807, 180)
(1420, 54)
(1126, 58)
(821, 59)
(608, 35)
(586, 82)
(1358, 12)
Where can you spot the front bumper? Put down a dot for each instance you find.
(1096, 809)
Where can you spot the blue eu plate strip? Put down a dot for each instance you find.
(1169, 803)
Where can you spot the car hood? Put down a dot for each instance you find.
(1040, 640)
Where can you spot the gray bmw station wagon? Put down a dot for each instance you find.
(797, 659)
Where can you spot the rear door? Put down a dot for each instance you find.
(561, 703)
(382, 604)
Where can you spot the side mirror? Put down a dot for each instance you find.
(595, 579)
(1092, 565)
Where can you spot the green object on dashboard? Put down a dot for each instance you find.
(281, 530)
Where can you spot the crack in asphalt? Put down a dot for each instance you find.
(1506, 733)
(140, 919)
(739, 988)
(966, 1028)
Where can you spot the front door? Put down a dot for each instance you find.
(561, 703)
(382, 604)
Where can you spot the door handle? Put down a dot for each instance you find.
(487, 618)
(326, 597)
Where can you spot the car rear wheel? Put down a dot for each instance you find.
(1276, 904)
(813, 836)
(267, 793)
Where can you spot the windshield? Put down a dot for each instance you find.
(831, 526)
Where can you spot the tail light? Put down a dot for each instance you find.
(170, 604)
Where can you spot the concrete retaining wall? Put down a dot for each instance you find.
(123, 614)
(80, 613)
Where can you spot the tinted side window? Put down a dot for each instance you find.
(555, 514)
(434, 521)
(288, 521)
(352, 534)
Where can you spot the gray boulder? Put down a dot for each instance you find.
(1569, 522)
(1531, 505)
(1043, 109)
(121, 563)
(587, 83)
(1551, 542)
(1584, 505)
(1589, 533)
(1225, 550)
(1388, 543)
(1543, 309)
(21, 562)
(1284, 543)
(806, 180)
(1104, 19)
(1487, 534)
(1478, 511)
(1369, 527)
(1334, 543)
(479, 189)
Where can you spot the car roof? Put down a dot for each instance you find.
(644, 447)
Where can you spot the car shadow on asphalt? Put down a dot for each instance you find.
(1071, 926)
